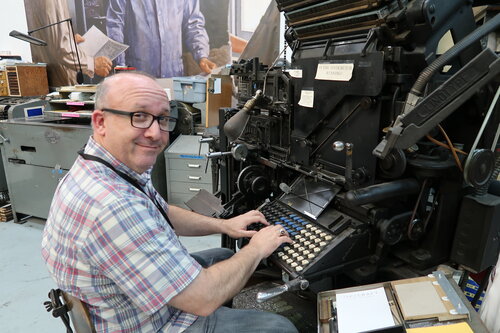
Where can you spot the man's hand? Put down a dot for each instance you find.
(206, 65)
(102, 65)
(79, 39)
(237, 226)
(268, 239)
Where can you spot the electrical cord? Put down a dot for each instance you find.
(452, 148)
(439, 143)
(270, 67)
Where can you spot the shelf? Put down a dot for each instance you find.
(71, 102)
(90, 88)
(67, 114)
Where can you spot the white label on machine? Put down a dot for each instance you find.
(307, 98)
(217, 86)
(334, 71)
(295, 73)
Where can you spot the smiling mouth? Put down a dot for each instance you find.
(148, 146)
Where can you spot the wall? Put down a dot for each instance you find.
(13, 17)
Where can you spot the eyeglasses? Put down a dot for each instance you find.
(145, 120)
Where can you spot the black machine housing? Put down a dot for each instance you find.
(377, 180)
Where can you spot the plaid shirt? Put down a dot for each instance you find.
(106, 243)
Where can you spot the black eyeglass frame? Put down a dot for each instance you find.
(131, 115)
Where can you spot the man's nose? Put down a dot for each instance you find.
(154, 130)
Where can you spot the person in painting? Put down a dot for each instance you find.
(156, 32)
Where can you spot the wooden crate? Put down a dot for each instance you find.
(27, 80)
(6, 213)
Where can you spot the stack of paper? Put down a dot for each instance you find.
(363, 310)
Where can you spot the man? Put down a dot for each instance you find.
(59, 54)
(490, 309)
(156, 31)
(111, 240)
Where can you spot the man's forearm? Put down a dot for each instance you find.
(232, 274)
(218, 283)
(188, 223)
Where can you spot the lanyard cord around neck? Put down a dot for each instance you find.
(128, 179)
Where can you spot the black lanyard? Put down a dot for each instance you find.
(127, 178)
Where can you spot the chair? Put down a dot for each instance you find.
(61, 304)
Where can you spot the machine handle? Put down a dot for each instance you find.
(296, 284)
(204, 140)
(217, 154)
(263, 296)
(194, 177)
(16, 160)
(194, 189)
(193, 165)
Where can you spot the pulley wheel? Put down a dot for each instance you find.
(479, 168)
(252, 180)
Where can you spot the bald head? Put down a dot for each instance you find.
(105, 88)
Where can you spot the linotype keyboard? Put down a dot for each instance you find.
(311, 240)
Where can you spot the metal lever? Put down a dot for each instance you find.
(204, 140)
(217, 154)
(239, 153)
(296, 284)
(339, 146)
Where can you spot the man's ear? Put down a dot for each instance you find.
(98, 122)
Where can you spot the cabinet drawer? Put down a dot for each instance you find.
(183, 187)
(197, 176)
(189, 165)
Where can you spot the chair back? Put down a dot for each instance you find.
(79, 314)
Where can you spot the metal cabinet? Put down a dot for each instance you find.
(37, 152)
(185, 169)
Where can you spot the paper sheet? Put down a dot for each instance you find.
(363, 310)
(97, 44)
(307, 98)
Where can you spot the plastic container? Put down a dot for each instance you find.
(190, 89)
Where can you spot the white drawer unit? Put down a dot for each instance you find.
(185, 169)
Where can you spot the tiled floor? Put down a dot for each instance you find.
(25, 281)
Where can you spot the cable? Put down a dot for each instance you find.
(269, 69)
(453, 149)
(439, 143)
(444, 59)
(79, 72)
(393, 103)
(335, 129)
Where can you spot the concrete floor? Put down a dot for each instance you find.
(25, 281)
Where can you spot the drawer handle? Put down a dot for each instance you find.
(193, 165)
(194, 177)
(194, 189)
(16, 160)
